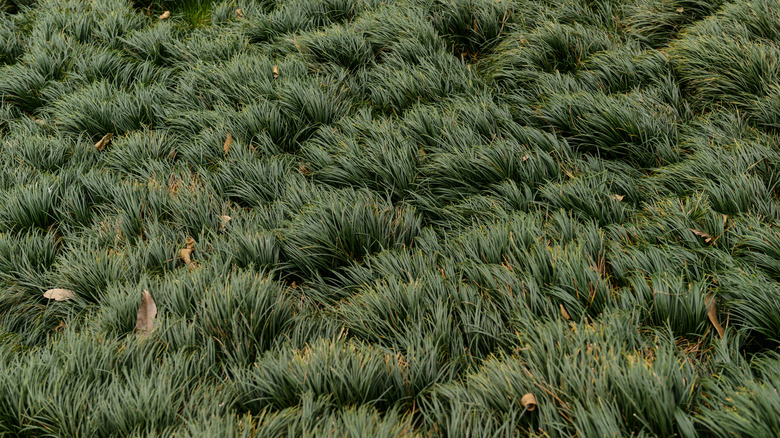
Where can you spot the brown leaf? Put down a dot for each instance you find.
(680, 9)
(146, 313)
(529, 402)
(59, 294)
(525, 158)
(100, 145)
(228, 143)
(165, 15)
(619, 197)
(225, 219)
(185, 254)
(276, 72)
(304, 169)
(564, 313)
(712, 314)
(239, 13)
(700, 233)
(38, 121)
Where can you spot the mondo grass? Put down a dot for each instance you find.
(406, 218)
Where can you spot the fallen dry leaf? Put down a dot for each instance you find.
(680, 9)
(38, 121)
(225, 219)
(239, 13)
(276, 72)
(525, 158)
(304, 169)
(146, 313)
(228, 143)
(100, 145)
(564, 313)
(700, 233)
(529, 402)
(712, 314)
(59, 294)
(619, 197)
(185, 254)
(165, 15)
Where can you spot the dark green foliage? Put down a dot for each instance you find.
(471, 26)
(656, 21)
(390, 218)
(343, 227)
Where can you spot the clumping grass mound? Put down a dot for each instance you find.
(462, 218)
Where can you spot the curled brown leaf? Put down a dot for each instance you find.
(103, 142)
(185, 254)
(165, 15)
(144, 321)
(707, 238)
(712, 314)
(564, 313)
(529, 402)
(239, 13)
(276, 72)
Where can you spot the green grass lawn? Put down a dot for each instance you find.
(390, 218)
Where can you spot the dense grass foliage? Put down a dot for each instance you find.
(404, 216)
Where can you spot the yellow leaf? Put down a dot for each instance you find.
(228, 142)
(564, 313)
(185, 254)
(276, 72)
(59, 294)
(100, 145)
(707, 238)
(619, 197)
(165, 15)
(529, 402)
(144, 321)
(712, 314)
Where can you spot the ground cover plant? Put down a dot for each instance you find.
(461, 218)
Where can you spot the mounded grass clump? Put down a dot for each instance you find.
(389, 218)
